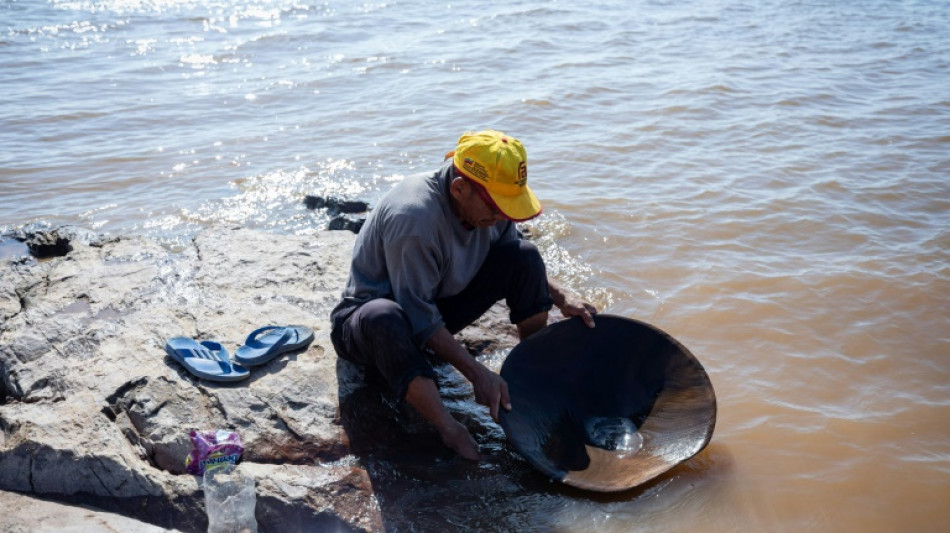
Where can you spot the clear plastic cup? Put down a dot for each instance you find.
(230, 500)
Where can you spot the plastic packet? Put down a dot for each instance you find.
(212, 449)
(230, 499)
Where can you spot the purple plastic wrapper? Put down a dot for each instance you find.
(213, 448)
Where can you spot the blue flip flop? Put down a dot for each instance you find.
(263, 344)
(208, 360)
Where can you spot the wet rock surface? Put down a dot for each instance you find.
(93, 412)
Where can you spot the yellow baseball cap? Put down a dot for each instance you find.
(498, 163)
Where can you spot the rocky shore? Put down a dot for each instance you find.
(94, 417)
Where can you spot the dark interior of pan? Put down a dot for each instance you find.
(607, 408)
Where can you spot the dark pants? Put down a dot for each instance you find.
(378, 334)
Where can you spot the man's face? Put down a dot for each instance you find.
(473, 205)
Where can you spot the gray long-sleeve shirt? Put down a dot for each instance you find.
(413, 249)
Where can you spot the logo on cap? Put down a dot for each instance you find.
(475, 169)
(522, 174)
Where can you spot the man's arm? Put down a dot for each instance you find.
(571, 305)
(490, 389)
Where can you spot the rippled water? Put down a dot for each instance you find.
(767, 181)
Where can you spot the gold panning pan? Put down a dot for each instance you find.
(607, 408)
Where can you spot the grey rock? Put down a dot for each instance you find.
(25, 514)
(93, 412)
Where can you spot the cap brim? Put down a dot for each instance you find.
(518, 208)
(524, 206)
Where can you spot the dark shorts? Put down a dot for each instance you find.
(378, 335)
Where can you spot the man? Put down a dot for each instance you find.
(436, 253)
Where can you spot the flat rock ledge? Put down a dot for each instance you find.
(94, 417)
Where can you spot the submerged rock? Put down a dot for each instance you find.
(348, 215)
(347, 222)
(335, 205)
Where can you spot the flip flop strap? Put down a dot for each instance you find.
(285, 336)
(208, 355)
(199, 353)
(220, 354)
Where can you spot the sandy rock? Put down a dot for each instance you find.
(23, 514)
(93, 412)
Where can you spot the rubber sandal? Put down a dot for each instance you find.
(265, 343)
(207, 360)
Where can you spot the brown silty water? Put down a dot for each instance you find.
(827, 344)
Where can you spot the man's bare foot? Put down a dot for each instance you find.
(457, 437)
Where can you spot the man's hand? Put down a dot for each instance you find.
(491, 390)
(575, 307)
(570, 305)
